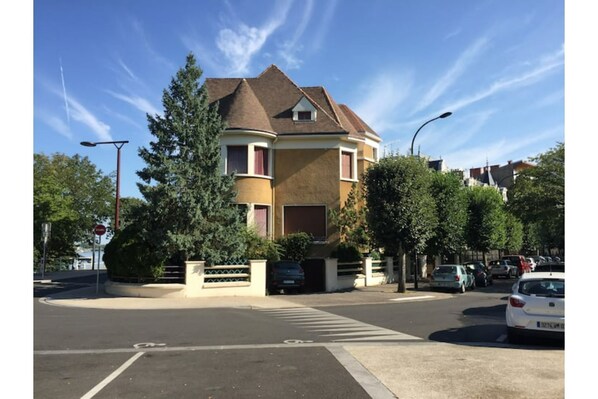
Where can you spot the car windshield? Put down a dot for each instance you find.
(288, 266)
(445, 269)
(543, 287)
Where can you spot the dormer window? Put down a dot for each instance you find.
(304, 116)
(304, 111)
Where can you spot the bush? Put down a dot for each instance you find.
(346, 252)
(129, 256)
(295, 246)
(260, 247)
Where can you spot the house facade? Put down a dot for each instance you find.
(295, 153)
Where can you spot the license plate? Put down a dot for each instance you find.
(288, 282)
(551, 325)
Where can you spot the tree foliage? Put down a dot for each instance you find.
(451, 211)
(486, 228)
(538, 196)
(190, 203)
(351, 220)
(71, 194)
(294, 246)
(514, 234)
(401, 210)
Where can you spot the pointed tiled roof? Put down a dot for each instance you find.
(243, 110)
(266, 102)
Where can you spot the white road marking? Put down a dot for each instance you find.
(342, 329)
(413, 298)
(502, 338)
(111, 377)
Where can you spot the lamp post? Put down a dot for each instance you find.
(445, 115)
(118, 145)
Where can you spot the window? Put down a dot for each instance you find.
(261, 220)
(307, 219)
(375, 153)
(304, 115)
(347, 165)
(236, 160)
(260, 161)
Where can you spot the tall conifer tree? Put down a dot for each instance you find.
(191, 205)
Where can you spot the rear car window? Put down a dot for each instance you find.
(543, 287)
(287, 266)
(445, 269)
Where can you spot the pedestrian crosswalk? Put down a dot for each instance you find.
(337, 328)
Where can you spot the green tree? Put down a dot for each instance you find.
(190, 203)
(351, 221)
(538, 196)
(130, 210)
(401, 211)
(294, 246)
(486, 228)
(451, 211)
(514, 234)
(71, 194)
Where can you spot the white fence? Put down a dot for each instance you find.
(250, 279)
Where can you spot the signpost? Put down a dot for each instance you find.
(99, 230)
(46, 230)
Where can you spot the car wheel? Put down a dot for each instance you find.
(462, 289)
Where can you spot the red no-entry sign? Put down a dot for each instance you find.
(100, 229)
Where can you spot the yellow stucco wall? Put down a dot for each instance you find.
(254, 190)
(306, 177)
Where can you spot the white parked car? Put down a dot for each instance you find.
(536, 306)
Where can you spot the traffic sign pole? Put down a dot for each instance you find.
(100, 230)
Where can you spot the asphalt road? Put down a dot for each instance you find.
(250, 353)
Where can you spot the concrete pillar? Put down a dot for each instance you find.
(331, 265)
(194, 277)
(258, 277)
(390, 273)
(367, 269)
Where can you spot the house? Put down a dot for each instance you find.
(295, 153)
(501, 176)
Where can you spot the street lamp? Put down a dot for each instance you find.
(118, 145)
(445, 115)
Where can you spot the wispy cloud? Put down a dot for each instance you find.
(500, 150)
(324, 24)
(66, 103)
(545, 66)
(155, 56)
(127, 70)
(56, 123)
(290, 48)
(78, 112)
(381, 97)
(138, 102)
(239, 46)
(84, 116)
(451, 76)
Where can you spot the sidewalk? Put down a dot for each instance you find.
(88, 297)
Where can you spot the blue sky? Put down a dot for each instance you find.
(498, 65)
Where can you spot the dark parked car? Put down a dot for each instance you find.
(483, 276)
(285, 274)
